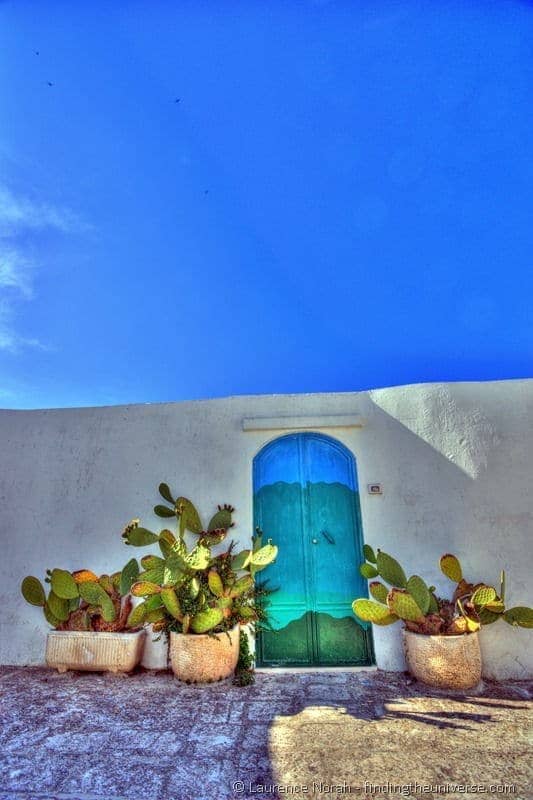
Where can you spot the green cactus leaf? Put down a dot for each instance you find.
(129, 575)
(58, 606)
(198, 558)
(390, 570)
(33, 591)
(264, 556)
(519, 615)
(166, 494)
(484, 595)
(241, 560)
(451, 567)
(194, 588)
(144, 589)
(74, 604)
(155, 575)
(63, 584)
(153, 601)
(91, 592)
(115, 580)
(206, 620)
(418, 590)
(378, 591)
(487, 617)
(189, 516)
(107, 607)
(368, 571)
(497, 606)
(433, 604)
(222, 519)
(241, 586)
(152, 562)
(402, 604)
(51, 618)
(106, 583)
(167, 542)
(171, 603)
(215, 583)
(164, 511)
(141, 537)
(369, 611)
(369, 553)
(224, 602)
(136, 616)
(175, 568)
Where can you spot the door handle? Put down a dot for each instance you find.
(328, 537)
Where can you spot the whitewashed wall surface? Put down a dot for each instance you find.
(455, 462)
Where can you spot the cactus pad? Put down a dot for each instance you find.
(451, 567)
(166, 494)
(33, 591)
(418, 590)
(378, 591)
(50, 617)
(484, 595)
(390, 570)
(369, 553)
(129, 575)
(63, 584)
(171, 603)
(58, 607)
(215, 583)
(189, 517)
(519, 615)
(206, 620)
(136, 616)
(404, 605)
(144, 589)
(368, 571)
(222, 518)
(264, 556)
(84, 575)
(369, 611)
(241, 560)
(198, 558)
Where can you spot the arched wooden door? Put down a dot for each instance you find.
(306, 499)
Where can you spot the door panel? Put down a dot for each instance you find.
(306, 500)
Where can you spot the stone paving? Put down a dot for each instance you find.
(84, 736)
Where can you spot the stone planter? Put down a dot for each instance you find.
(203, 658)
(448, 662)
(155, 651)
(94, 651)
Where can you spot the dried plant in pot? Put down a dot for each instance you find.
(440, 635)
(89, 616)
(197, 599)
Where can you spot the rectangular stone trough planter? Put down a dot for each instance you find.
(94, 651)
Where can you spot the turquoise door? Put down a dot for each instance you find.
(306, 499)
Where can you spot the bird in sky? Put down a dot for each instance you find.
(36, 52)
(177, 99)
(50, 83)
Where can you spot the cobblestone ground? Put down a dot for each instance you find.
(84, 736)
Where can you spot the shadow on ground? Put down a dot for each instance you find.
(84, 736)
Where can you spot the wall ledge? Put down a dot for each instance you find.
(299, 423)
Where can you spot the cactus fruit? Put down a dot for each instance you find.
(519, 615)
(390, 570)
(63, 584)
(451, 567)
(206, 620)
(420, 593)
(32, 591)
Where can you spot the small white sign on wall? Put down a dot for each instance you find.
(375, 488)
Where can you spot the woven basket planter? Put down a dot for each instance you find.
(201, 658)
(448, 662)
(94, 651)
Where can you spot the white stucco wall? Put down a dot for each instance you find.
(455, 461)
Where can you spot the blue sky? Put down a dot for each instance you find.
(340, 199)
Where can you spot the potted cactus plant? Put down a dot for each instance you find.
(89, 616)
(440, 635)
(196, 598)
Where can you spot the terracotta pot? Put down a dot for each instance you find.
(94, 650)
(204, 658)
(448, 662)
